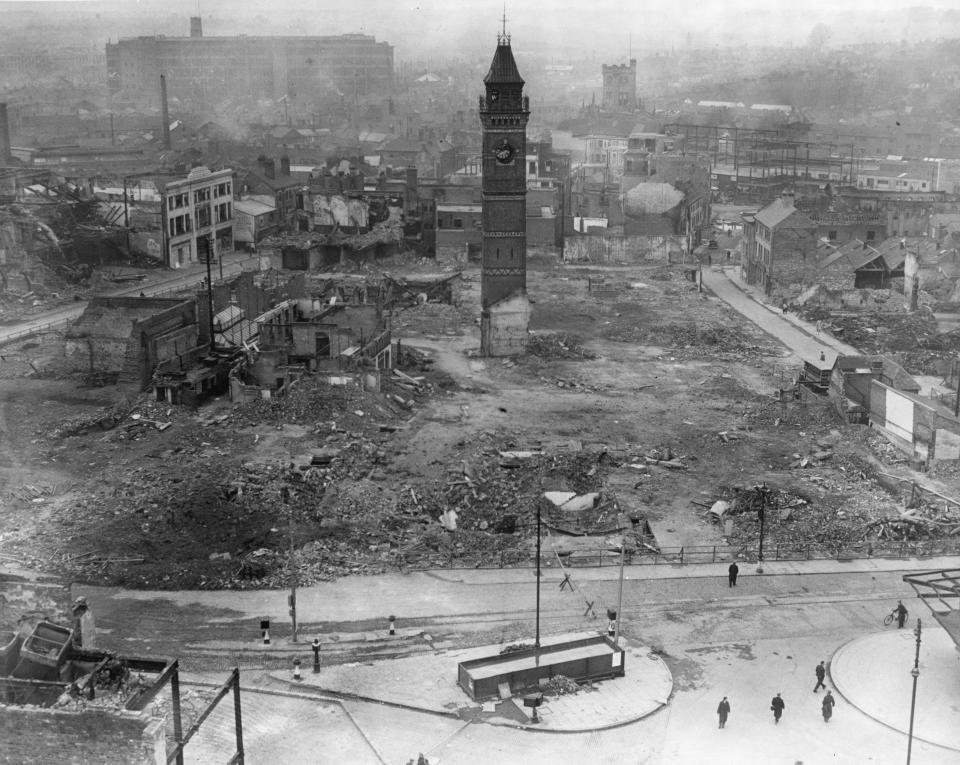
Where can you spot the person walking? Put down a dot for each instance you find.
(723, 710)
(821, 671)
(732, 572)
(901, 614)
(827, 706)
(777, 705)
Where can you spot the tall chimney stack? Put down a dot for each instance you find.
(5, 156)
(164, 112)
(196, 27)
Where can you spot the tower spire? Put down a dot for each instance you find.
(503, 38)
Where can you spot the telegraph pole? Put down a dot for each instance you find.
(292, 598)
(536, 641)
(616, 633)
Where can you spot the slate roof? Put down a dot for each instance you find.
(777, 212)
(503, 68)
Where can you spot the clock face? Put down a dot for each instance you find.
(503, 151)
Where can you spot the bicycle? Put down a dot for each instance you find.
(888, 619)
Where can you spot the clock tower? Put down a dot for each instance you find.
(504, 112)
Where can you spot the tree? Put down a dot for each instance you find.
(819, 37)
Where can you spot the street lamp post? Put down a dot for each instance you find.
(915, 672)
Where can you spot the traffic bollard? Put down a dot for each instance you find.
(316, 655)
(296, 670)
(393, 627)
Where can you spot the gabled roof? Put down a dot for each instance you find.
(892, 251)
(779, 211)
(503, 68)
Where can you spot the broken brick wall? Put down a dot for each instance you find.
(116, 335)
(31, 735)
(356, 320)
(26, 597)
(503, 327)
(167, 336)
(626, 249)
(255, 299)
(794, 258)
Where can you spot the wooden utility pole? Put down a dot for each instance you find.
(292, 598)
(536, 641)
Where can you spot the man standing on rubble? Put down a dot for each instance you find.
(84, 627)
(732, 572)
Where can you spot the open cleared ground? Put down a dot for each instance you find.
(655, 371)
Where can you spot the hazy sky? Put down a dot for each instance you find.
(606, 28)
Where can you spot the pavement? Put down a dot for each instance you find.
(801, 336)
(868, 673)
(861, 672)
(428, 683)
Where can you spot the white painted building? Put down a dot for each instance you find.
(198, 216)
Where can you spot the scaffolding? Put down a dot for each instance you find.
(762, 161)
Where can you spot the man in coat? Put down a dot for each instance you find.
(777, 705)
(901, 614)
(732, 572)
(827, 706)
(85, 630)
(821, 671)
(723, 710)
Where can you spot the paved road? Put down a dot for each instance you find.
(456, 602)
(158, 283)
(796, 334)
(764, 636)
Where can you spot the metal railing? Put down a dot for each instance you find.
(693, 554)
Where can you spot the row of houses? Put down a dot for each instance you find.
(788, 243)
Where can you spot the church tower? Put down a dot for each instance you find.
(504, 112)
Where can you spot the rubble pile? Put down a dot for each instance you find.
(693, 340)
(839, 507)
(316, 401)
(104, 419)
(910, 338)
(557, 346)
(770, 413)
(560, 685)
(433, 319)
